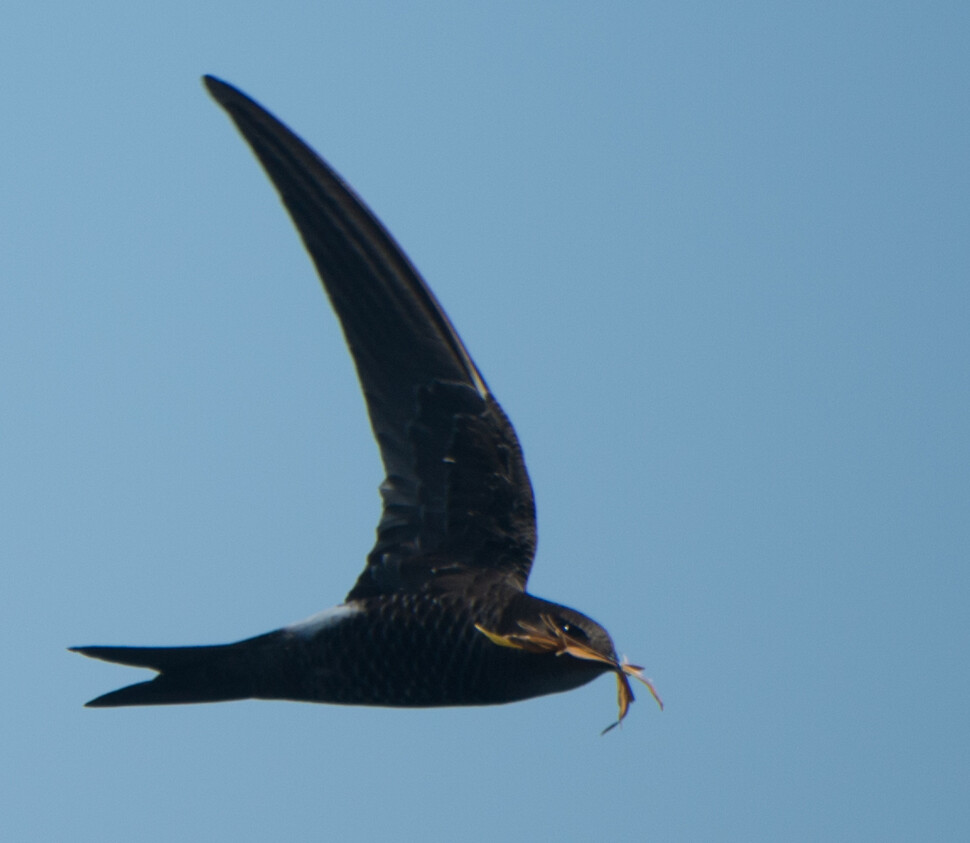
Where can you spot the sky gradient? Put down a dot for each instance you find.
(713, 262)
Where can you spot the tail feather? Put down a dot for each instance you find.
(185, 675)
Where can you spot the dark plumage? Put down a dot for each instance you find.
(439, 615)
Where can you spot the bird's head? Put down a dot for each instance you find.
(565, 632)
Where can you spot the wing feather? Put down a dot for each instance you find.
(456, 492)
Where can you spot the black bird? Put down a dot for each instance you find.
(439, 615)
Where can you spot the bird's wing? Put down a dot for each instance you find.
(456, 492)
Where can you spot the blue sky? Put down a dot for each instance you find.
(712, 259)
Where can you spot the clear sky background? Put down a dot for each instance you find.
(712, 259)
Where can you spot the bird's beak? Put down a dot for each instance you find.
(547, 637)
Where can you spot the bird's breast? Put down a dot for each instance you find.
(417, 650)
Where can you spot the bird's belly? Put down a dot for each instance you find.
(418, 656)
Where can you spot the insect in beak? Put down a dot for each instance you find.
(548, 637)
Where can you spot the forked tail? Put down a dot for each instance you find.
(185, 674)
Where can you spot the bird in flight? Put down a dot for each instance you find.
(439, 615)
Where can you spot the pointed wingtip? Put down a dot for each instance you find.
(238, 105)
(225, 94)
(219, 90)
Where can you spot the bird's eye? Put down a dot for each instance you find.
(572, 630)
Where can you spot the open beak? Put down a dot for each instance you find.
(549, 638)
